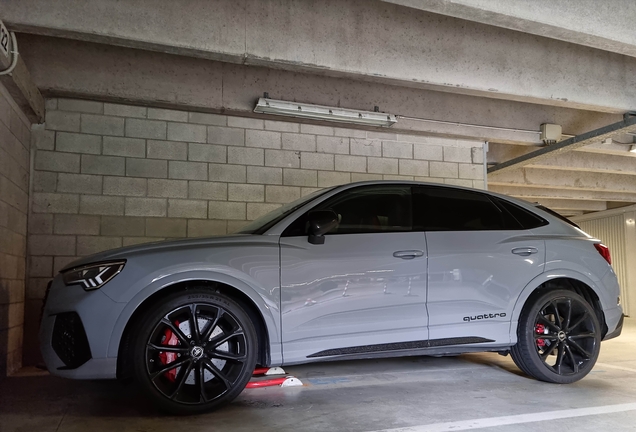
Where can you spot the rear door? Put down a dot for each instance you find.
(364, 287)
(480, 258)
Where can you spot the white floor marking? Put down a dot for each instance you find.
(515, 419)
(610, 366)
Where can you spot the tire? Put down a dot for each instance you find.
(210, 365)
(558, 337)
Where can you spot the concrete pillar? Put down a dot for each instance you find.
(629, 292)
(15, 138)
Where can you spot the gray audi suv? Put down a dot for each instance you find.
(362, 270)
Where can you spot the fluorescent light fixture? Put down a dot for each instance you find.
(632, 149)
(319, 112)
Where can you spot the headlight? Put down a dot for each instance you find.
(93, 276)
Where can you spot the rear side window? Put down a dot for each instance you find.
(445, 209)
(526, 219)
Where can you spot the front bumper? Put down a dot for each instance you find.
(75, 332)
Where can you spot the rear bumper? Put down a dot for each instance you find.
(617, 331)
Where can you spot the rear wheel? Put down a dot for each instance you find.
(559, 338)
(194, 351)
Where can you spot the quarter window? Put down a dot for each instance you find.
(527, 219)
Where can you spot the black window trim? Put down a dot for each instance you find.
(493, 199)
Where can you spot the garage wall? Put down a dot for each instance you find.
(14, 199)
(617, 229)
(108, 175)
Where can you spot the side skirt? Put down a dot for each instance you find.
(399, 346)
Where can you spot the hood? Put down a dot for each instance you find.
(128, 251)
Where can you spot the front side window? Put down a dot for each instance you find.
(265, 222)
(365, 209)
(446, 209)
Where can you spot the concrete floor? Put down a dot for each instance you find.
(417, 394)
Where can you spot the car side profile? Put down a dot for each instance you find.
(363, 270)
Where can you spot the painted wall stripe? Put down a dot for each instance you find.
(515, 419)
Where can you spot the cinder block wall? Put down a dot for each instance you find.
(15, 139)
(109, 175)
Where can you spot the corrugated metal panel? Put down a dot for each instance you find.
(611, 231)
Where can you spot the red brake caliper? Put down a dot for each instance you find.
(540, 329)
(169, 339)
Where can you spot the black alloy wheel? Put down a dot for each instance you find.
(195, 352)
(558, 338)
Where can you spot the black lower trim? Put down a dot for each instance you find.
(458, 341)
(398, 346)
(69, 340)
(617, 331)
(46, 296)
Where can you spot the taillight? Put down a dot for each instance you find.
(604, 251)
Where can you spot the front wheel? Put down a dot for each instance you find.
(559, 338)
(194, 351)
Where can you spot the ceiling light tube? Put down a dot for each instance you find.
(319, 112)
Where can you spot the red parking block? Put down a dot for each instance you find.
(289, 381)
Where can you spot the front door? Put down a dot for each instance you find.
(365, 286)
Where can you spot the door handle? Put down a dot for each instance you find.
(525, 251)
(408, 254)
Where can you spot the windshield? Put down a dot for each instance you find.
(265, 222)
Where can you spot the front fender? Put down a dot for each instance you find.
(263, 299)
(540, 280)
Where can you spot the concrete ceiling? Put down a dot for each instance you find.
(606, 167)
(593, 178)
(606, 25)
(505, 68)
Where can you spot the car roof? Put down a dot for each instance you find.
(523, 203)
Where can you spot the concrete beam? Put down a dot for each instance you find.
(570, 213)
(63, 67)
(613, 148)
(628, 124)
(499, 152)
(572, 161)
(576, 205)
(359, 39)
(536, 193)
(22, 89)
(502, 151)
(608, 26)
(578, 161)
(557, 179)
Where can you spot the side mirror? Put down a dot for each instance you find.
(320, 223)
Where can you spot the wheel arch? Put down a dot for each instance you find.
(568, 279)
(252, 303)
